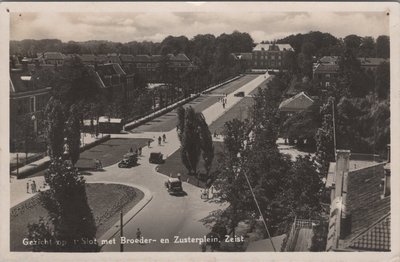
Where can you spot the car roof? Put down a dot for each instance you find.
(173, 179)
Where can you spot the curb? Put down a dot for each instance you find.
(148, 196)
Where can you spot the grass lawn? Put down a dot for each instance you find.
(109, 152)
(239, 111)
(105, 200)
(173, 165)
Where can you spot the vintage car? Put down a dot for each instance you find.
(156, 158)
(174, 186)
(239, 94)
(129, 160)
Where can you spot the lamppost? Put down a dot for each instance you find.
(255, 200)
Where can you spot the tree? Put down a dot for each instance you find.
(324, 139)
(70, 215)
(55, 128)
(230, 184)
(190, 143)
(383, 46)
(73, 134)
(382, 81)
(206, 143)
(303, 190)
(352, 42)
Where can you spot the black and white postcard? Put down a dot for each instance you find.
(138, 131)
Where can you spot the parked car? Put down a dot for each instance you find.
(174, 186)
(156, 158)
(129, 160)
(239, 94)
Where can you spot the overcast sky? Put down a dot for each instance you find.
(125, 27)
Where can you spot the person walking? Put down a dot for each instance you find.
(140, 150)
(148, 143)
(159, 140)
(164, 137)
(27, 187)
(32, 189)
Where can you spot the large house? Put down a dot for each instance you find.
(269, 56)
(360, 205)
(27, 103)
(371, 63)
(116, 81)
(326, 71)
(53, 58)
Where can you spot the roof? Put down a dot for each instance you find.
(179, 57)
(88, 58)
(126, 58)
(53, 56)
(110, 69)
(273, 47)
(113, 58)
(19, 81)
(364, 201)
(326, 68)
(372, 61)
(329, 59)
(376, 238)
(299, 102)
(173, 179)
(141, 58)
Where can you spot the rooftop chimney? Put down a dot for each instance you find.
(342, 173)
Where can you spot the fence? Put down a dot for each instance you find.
(296, 226)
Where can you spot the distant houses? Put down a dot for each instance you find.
(298, 103)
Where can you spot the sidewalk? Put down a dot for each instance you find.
(162, 111)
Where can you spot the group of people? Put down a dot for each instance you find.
(32, 185)
(223, 100)
(163, 139)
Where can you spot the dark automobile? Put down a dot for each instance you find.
(174, 186)
(239, 94)
(129, 160)
(156, 158)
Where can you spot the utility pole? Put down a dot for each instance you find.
(121, 226)
(334, 128)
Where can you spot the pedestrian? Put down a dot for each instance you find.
(27, 187)
(34, 186)
(223, 105)
(138, 233)
(164, 137)
(159, 140)
(140, 150)
(148, 143)
(137, 151)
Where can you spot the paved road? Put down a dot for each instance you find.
(167, 122)
(167, 216)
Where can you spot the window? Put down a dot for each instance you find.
(280, 57)
(327, 76)
(327, 84)
(273, 57)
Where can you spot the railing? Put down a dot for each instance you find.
(292, 236)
